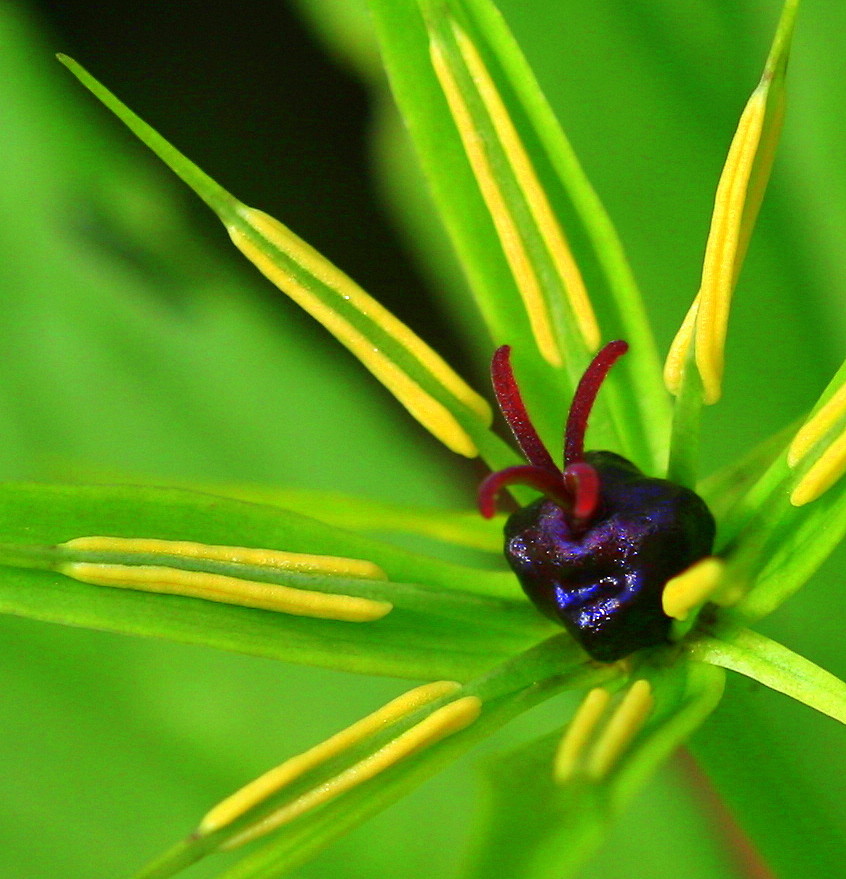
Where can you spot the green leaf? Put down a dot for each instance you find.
(436, 632)
(572, 819)
(773, 665)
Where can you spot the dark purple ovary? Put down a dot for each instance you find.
(596, 552)
(605, 583)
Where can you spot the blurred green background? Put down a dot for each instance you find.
(134, 343)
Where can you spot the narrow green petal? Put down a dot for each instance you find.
(726, 488)
(773, 665)
(420, 379)
(459, 528)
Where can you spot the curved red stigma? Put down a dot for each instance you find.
(550, 484)
(585, 397)
(511, 403)
(576, 489)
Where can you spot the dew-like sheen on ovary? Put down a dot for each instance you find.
(605, 584)
(596, 552)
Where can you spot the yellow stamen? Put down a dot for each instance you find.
(622, 727)
(521, 165)
(312, 262)
(229, 590)
(692, 587)
(263, 558)
(578, 733)
(707, 319)
(830, 466)
(443, 722)
(257, 791)
(431, 413)
(721, 251)
(512, 243)
(817, 426)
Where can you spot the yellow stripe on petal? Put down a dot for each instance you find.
(527, 281)
(817, 426)
(257, 791)
(622, 727)
(264, 558)
(443, 722)
(721, 252)
(229, 590)
(431, 413)
(827, 470)
(280, 237)
(547, 223)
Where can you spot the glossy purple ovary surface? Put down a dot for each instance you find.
(605, 584)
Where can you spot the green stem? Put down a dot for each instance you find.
(683, 462)
(185, 853)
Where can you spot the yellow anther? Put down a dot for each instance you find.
(579, 732)
(423, 406)
(622, 727)
(828, 468)
(719, 270)
(443, 722)
(513, 246)
(229, 590)
(542, 213)
(817, 426)
(707, 320)
(261, 558)
(257, 791)
(692, 587)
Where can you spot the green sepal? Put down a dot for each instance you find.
(770, 663)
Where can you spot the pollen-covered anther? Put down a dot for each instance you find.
(819, 438)
(229, 590)
(125, 563)
(361, 324)
(444, 721)
(706, 323)
(579, 732)
(304, 563)
(692, 588)
(547, 223)
(258, 790)
(456, 81)
(622, 727)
